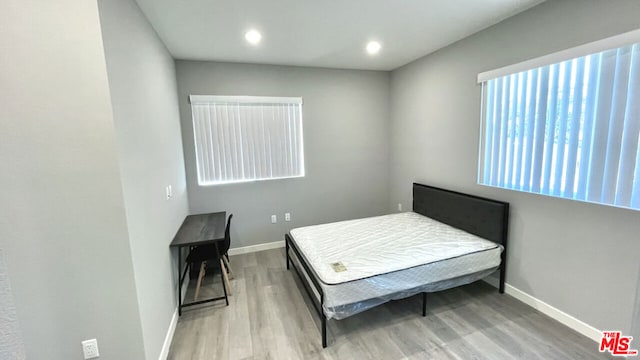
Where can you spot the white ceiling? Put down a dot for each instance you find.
(321, 33)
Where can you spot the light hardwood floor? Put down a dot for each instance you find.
(270, 317)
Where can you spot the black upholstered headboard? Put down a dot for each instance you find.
(483, 217)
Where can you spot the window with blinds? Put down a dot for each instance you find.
(247, 138)
(568, 128)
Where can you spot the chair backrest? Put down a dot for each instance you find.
(227, 237)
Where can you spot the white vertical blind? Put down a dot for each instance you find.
(245, 138)
(569, 129)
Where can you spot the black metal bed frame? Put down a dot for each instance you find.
(477, 215)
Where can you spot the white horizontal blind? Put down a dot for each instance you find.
(569, 129)
(245, 138)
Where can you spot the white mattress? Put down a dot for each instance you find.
(382, 244)
(391, 256)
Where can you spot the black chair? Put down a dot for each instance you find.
(205, 254)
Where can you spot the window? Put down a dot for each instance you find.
(566, 125)
(247, 138)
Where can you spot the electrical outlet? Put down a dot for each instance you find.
(90, 349)
(167, 193)
(287, 216)
(399, 206)
(274, 219)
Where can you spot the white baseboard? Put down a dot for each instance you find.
(256, 248)
(164, 353)
(554, 313)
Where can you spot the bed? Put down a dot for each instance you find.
(449, 239)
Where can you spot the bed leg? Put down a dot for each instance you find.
(324, 331)
(286, 249)
(502, 278)
(424, 304)
(323, 316)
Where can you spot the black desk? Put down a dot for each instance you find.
(197, 230)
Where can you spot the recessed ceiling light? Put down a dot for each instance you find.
(373, 47)
(253, 37)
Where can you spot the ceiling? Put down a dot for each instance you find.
(321, 33)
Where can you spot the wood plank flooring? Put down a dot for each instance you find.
(270, 317)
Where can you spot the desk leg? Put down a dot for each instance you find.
(179, 281)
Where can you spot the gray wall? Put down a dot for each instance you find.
(11, 343)
(580, 258)
(635, 322)
(63, 228)
(142, 80)
(345, 122)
